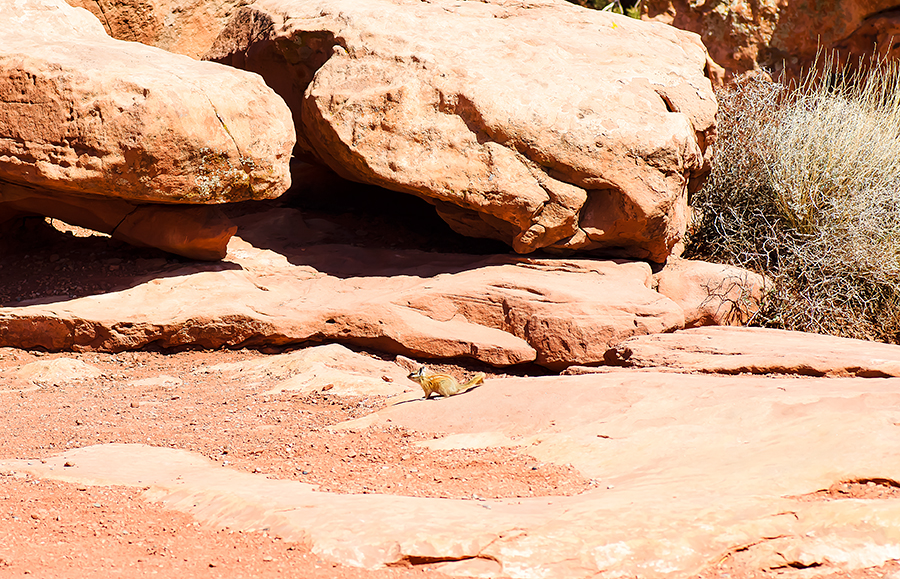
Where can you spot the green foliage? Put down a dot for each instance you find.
(805, 189)
(630, 9)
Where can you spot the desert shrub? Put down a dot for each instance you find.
(805, 189)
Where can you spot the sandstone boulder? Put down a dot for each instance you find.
(87, 120)
(711, 294)
(194, 231)
(183, 27)
(784, 35)
(758, 351)
(542, 124)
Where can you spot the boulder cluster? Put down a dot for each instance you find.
(541, 124)
(549, 127)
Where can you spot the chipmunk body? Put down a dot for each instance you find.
(443, 384)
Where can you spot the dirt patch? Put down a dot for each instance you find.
(54, 529)
(170, 401)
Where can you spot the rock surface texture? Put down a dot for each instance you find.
(501, 310)
(785, 34)
(693, 471)
(759, 351)
(181, 27)
(711, 294)
(91, 128)
(541, 124)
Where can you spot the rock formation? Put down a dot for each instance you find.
(92, 129)
(784, 35)
(183, 27)
(689, 473)
(501, 310)
(542, 124)
(711, 294)
(758, 351)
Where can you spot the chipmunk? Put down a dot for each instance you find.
(443, 384)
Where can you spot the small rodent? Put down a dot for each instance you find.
(443, 384)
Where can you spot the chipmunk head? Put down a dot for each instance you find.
(417, 375)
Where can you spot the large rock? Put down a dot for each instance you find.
(542, 124)
(501, 310)
(711, 294)
(690, 472)
(179, 26)
(784, 35)
(85, 118)
(758, 351)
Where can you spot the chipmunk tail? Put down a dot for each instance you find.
(475, 381)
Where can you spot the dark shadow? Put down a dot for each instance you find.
(349, 229)
(46, 261)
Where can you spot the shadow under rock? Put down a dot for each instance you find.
(46, 261)
(349, 229)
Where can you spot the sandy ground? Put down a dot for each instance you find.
(52, 529)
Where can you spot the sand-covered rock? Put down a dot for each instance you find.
(331, 368)
(690, 472)
(758, 351)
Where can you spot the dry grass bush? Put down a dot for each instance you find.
(805, 189)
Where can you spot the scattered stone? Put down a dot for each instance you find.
(54, 373)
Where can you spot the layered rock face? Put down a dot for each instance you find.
(784, 34)
(541, 124)
(181, 27)
(91, 128)
(290, 289)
